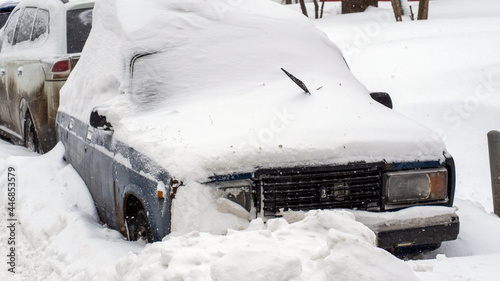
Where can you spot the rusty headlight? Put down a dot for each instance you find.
(237, 191)
(416, 186)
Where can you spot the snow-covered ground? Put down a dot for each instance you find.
(444, 73)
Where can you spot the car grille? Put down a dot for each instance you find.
(353, 187)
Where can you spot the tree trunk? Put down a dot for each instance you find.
(356, 6)
(303, 8)
(316, 9)
(322, 8)
(423, 9)
(396, 6)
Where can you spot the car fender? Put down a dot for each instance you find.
(157, 209)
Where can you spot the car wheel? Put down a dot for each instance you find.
(30, 138)
(139, 228)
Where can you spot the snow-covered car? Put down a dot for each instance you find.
(185, 119)
(40, 44)
(5, 10)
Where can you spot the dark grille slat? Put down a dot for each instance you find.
(357, 188)
(368, 186)
(289, 181)
(314, 198)
(318, 175)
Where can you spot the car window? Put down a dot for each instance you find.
(146, 89)
(79, 23)
(41, 24)
(25, 25)
(11, 27)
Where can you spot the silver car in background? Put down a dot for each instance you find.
(40, 45)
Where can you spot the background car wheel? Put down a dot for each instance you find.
(30, 139)
(139, 228)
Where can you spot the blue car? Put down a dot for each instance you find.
(199, 116)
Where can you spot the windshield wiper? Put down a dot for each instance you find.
(297, 81)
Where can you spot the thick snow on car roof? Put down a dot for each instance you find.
(213, 98)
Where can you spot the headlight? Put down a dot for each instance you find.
(238, 191)
(421, 185)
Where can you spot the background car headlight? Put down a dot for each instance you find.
(421, 185)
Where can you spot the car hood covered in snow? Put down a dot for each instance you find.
(207, 94)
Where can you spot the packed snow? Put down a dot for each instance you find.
(443, 73)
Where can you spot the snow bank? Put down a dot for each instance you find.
(325, 245)
(58, 238)
(58, 235)
(478, 233)
(7, 149)
(483, 267)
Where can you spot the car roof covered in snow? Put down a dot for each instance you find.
(208, 91)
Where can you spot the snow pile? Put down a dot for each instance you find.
(58, 236)
(325, 245)
(6, 150)
(196, 208)
(477, 268)
(478, 232)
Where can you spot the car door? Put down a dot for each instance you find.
(89, 149)
(23, 72)
(20, 71)
(99, 158)
(112, 167)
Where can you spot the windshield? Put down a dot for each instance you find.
(147, 87)
(79, 23)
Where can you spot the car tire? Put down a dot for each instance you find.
(30, 138)
(139, 228)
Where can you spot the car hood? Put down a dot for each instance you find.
(275, 128)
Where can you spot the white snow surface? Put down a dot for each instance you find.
(213, 99)
(446, 76)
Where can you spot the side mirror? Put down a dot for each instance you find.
(99, 121)
(382, 98)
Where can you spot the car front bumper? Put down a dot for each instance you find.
(415, 226)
